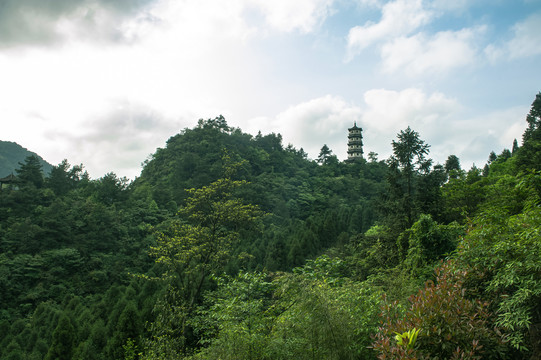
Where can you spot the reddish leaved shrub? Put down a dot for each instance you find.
(451, 325)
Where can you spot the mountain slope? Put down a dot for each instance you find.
(11, 154)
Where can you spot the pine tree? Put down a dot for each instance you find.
(408, 160)
(30, 172)
(515, 147)
(529, 154)
(324, 154)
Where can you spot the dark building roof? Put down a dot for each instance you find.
(8, 179)
(355, 127)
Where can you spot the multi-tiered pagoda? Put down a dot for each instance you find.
(355, 143)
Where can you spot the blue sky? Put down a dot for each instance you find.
(105, 83)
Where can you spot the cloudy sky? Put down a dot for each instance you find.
(106, 82)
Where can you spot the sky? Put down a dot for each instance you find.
(106, 82)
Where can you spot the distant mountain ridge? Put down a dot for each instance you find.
(11, 154)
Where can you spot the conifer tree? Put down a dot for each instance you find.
(408, 161)
(63, 340)
(324, 154)
(30, 172)
(452, 164)
(529, 155)
(515, 147)
(127, 328)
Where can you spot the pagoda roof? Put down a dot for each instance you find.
(355, 127)
(9, 178)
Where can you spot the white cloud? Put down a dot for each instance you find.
(527, 37)
(440, 52)
(473, 138)
(37, 22)
(387, 112)
(121, 135)
(442, 123)
(311, 124)
(403, 47)
(391, 111)
(399, 18)
(243, 19)
(287, 15)
(108, 104)
(190, 60)
(325, 120)
(525, 41)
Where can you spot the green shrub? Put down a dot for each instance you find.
(450, 326)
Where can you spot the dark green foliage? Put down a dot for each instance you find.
(533, 119)
(429, 242)
(324, 155)
(515, 147)
(128, 327)
(463, 195)
(452, 163)
(406, 194)
(503, 249)
(529, 154)
(452, 167)
(30, 173)
(492, 157)
(62, 179)
(64, 337)
(283, 183)
(237, 319)
(70, 244)
(197, 246)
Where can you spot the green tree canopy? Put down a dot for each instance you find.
(194, 248)
(64, 337)
(324, 154)
(29, 172)
(406, 164)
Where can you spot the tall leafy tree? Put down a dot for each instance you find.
(452, 166)
(110, 188)
(408, 161)
(195, 248)
(62, 179)
(324, 154)
(492, 157)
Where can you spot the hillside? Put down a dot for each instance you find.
(11, 154)
(233, 246)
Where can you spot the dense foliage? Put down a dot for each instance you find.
(235, 246)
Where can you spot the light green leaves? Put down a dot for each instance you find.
(407, 338)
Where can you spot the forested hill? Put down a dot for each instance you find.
(235, 246)
(12, 154)
(311, 205)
